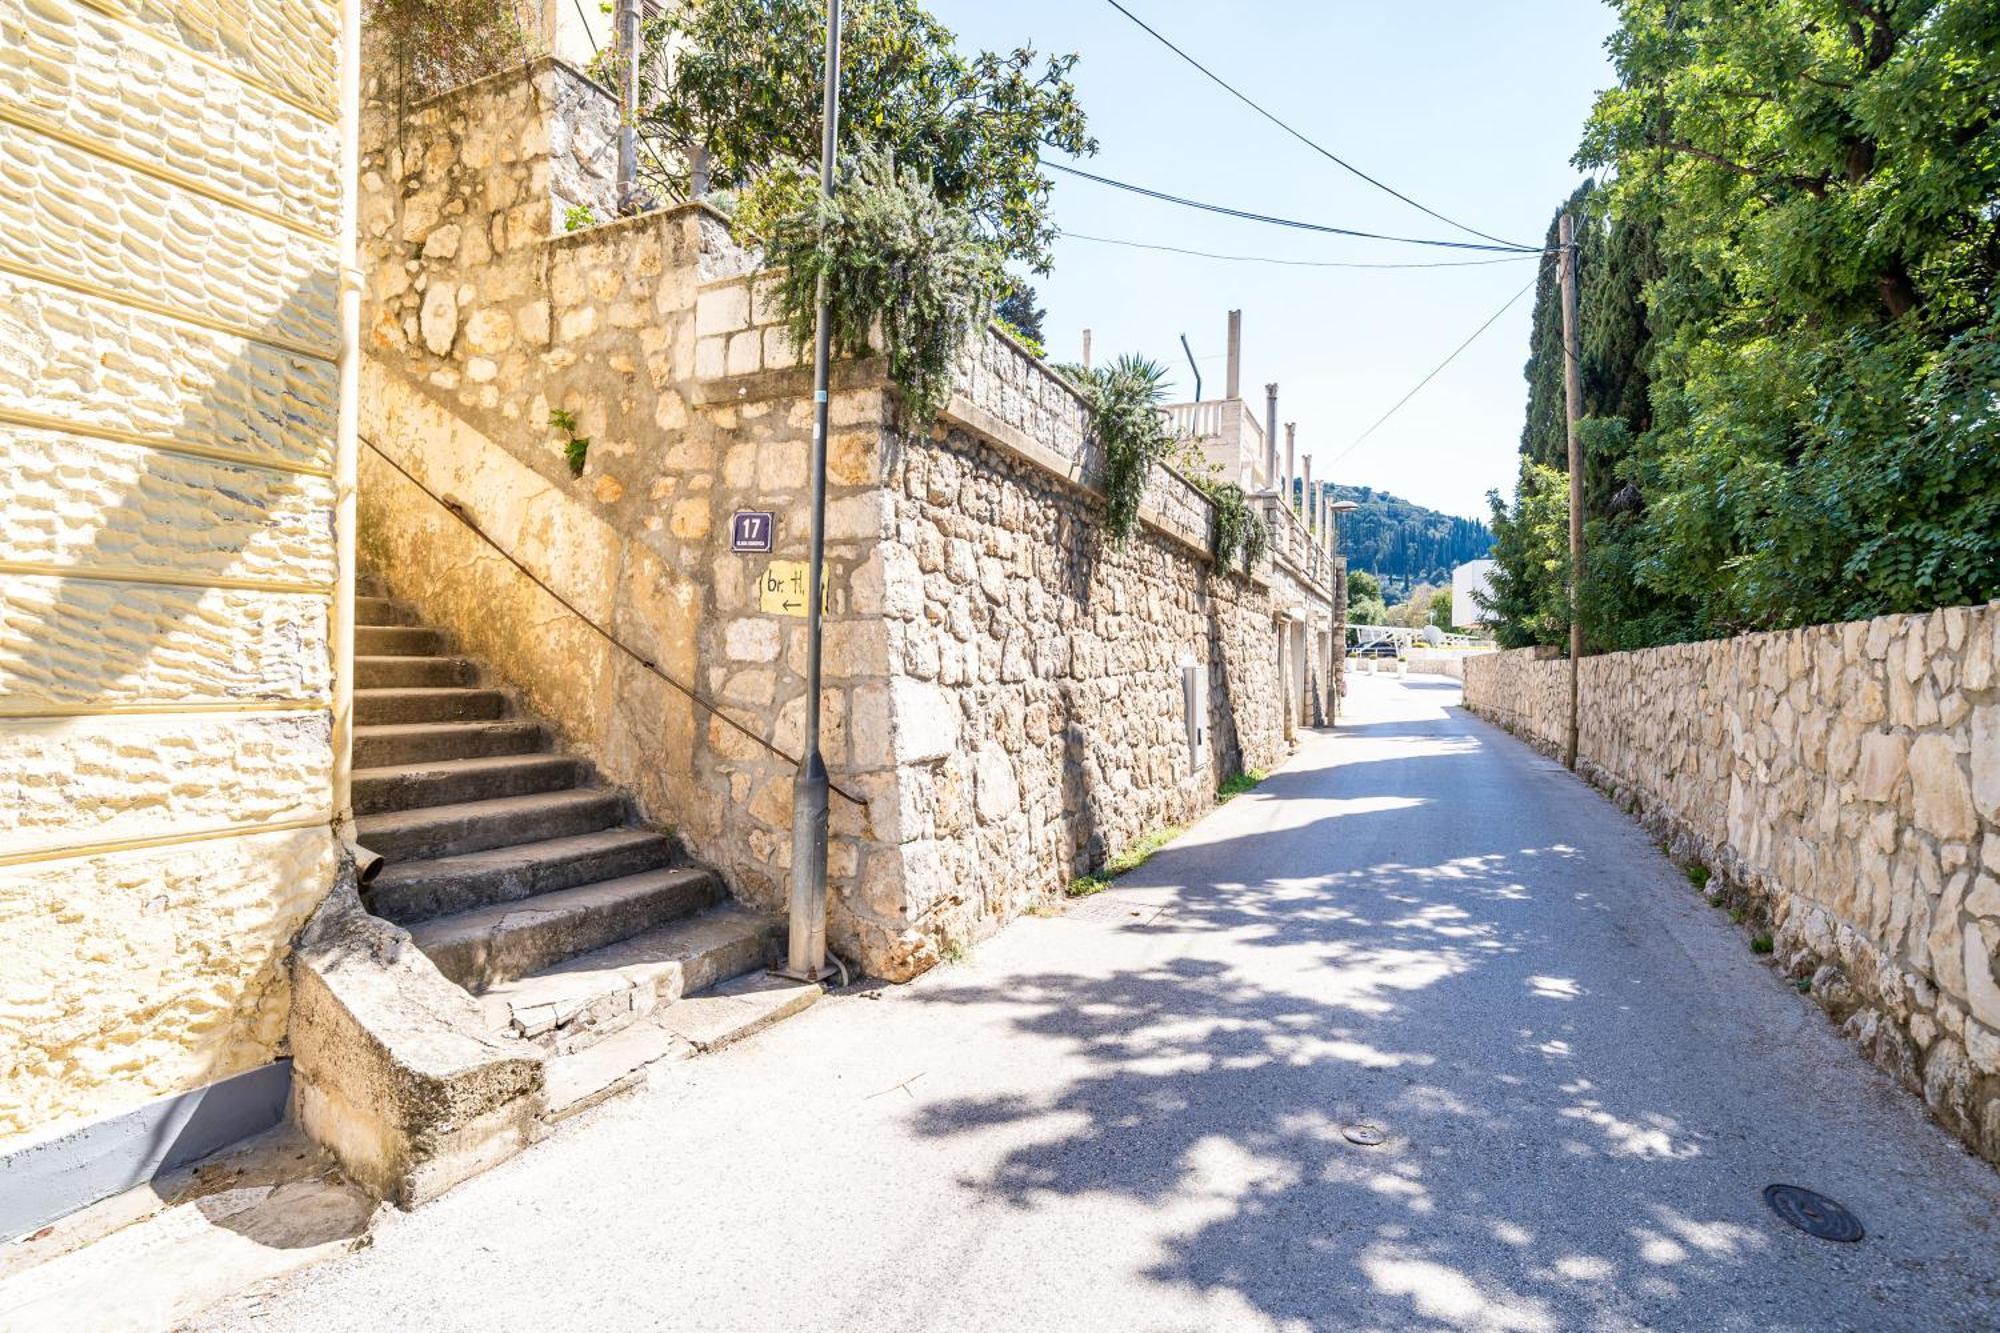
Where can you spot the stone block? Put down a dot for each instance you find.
(722, 309)
(1943, 798)
(744, 355)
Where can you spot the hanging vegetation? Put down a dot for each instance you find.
(1240, 535)
(1124, 399)
(897, 260)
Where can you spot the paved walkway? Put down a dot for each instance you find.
(1131, 1116)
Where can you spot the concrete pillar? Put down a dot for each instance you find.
(1234, 380)
(1086, 349)
(1311, 500)
(1271, 436)
(1291, 461)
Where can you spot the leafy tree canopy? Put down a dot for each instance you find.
(744, 83)
(1794, 416)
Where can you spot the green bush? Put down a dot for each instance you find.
(436, 45)
(893, 255)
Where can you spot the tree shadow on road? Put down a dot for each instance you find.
(1513, 1191)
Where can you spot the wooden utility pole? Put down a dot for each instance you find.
(1573, 404)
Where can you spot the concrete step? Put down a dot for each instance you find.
(385, 744)
(370, 584)
(381, 673)
(697, 1024)
(489, 946)
(575, 1004)
(382, 611)
(398, 641)
(456, 781)
(420, 890)
(448, 830)
(455, 703)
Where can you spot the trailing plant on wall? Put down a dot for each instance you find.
(1124, 399)
(896, 259)
(1239, 529)
(436, 45)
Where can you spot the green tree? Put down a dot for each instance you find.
(1018, 311)
(1821, 177)
(1362, 584)
(745, 90)
(1441, 608)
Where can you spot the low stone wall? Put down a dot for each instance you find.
(1846, 779)
(1437, 663)
(1004, 688)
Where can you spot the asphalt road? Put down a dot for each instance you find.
(1133, 1116)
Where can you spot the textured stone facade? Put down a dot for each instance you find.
(1846, 780)
(991, 664)
(169, 216)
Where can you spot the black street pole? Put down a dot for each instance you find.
(806, 951)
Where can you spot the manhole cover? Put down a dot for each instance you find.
(1814, 1214)
(1368, 1136)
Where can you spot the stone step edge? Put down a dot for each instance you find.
(694, 1025)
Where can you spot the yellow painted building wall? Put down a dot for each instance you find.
(169, 223)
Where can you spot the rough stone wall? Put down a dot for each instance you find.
(656, 333)
(1847, 779)
(483, 317)
(169, 205)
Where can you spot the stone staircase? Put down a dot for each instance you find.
(532, 884)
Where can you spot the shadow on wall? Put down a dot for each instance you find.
(189, 971)
(1220, 1093)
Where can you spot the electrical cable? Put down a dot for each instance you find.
(1324, 152)
(1293, 223)
(1433, 375)
(1290, 263)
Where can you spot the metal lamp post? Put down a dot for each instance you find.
(806, 949)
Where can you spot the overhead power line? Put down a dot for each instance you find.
(1292, 263)
(1322, 150)
(1433, 375)
(1248, 216)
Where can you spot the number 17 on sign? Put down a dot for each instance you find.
(750, 530)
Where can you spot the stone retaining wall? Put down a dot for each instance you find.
(1846, 778)
(1004, 689)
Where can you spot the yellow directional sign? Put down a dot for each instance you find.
(783, 591)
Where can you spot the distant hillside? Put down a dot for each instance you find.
(1405, 544)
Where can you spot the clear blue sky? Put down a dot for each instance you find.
(1472, 108)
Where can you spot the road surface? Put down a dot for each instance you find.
(1134, 1116)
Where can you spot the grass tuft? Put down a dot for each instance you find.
(1238, 784)
(1761, 942)
(1698, 875)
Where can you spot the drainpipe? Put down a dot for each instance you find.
(625, 27)
(347, 422)
(1271, 435)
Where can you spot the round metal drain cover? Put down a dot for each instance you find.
(1814, 1214)
(1367, 1136)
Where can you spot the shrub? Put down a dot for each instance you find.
(894, 257)
(436, 45)
(1124, 399)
